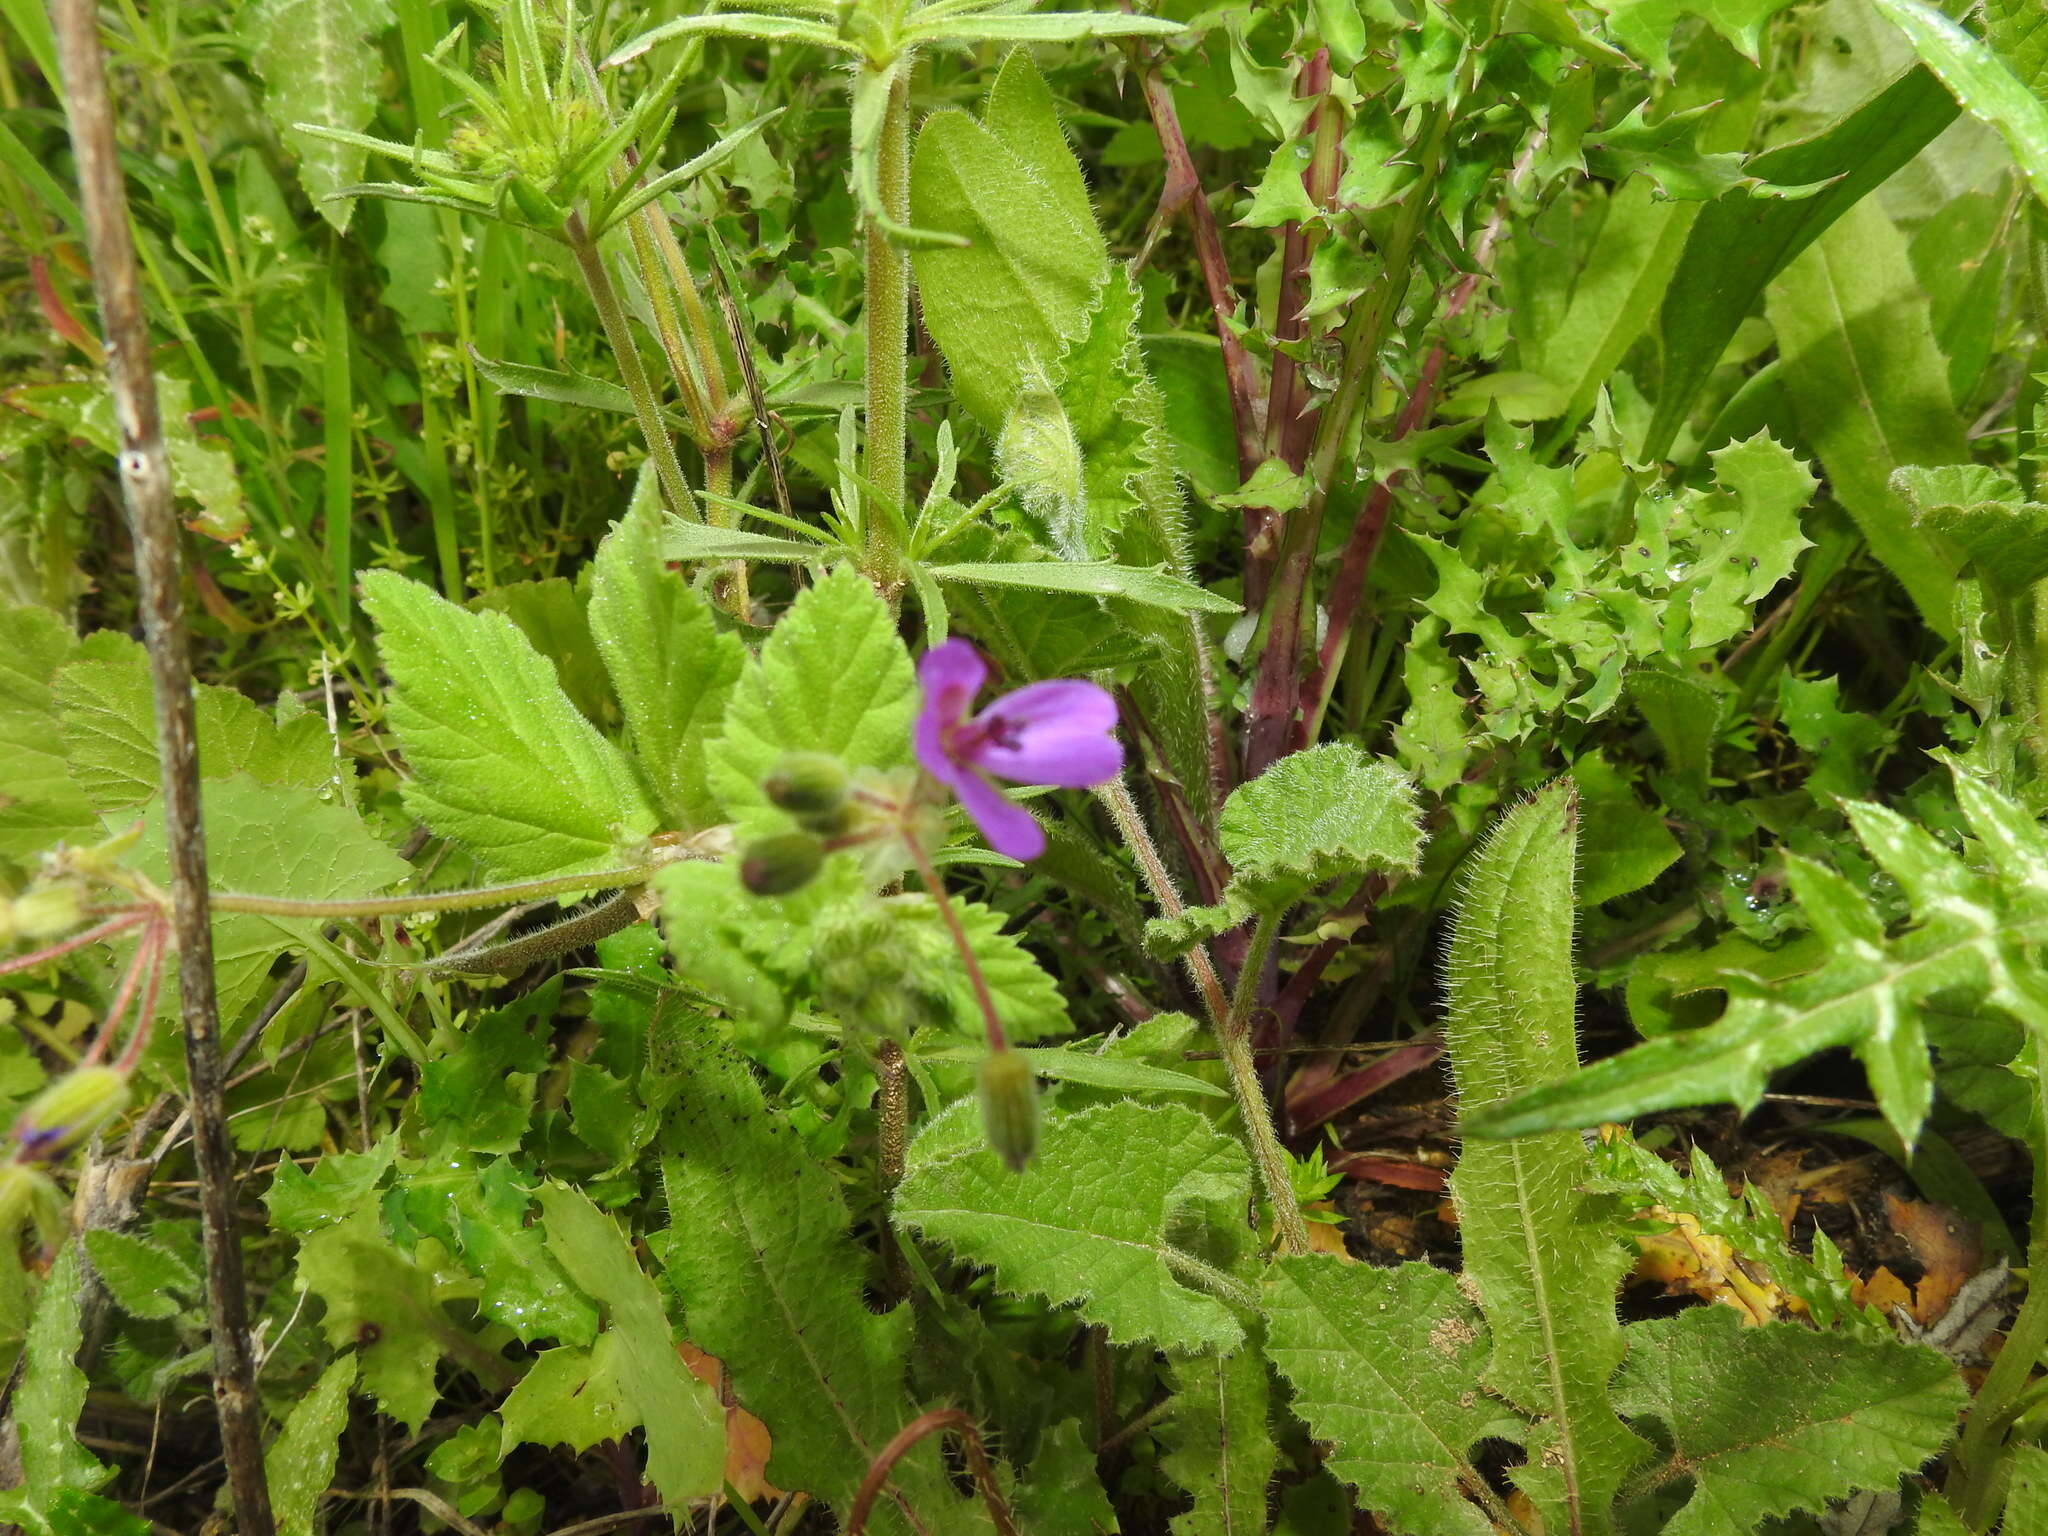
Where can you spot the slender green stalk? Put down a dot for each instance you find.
(1985, 1464)
(470, 900)
(590, 261)
(1231, 1019)
(887, 317)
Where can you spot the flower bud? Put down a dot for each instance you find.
(68, 1112)
(538, 207)
(46, 911)
(1009, 1107)
(808, 785)
(775, 866)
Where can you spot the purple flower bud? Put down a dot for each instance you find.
(68, 1112)
(775, 866)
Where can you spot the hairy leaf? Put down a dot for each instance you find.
(762, 1258)
(502, 762)
(1219, 1442)
(1777, 1418)
(1546, 1267)
(1983, 514)
(299, 1465)
(684, 1423)
(1385, 1365)
(51, 1398)
(319, 70)
(145, 1278)
(1101, 1219)
(670, 665)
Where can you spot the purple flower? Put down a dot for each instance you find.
(1048, 733)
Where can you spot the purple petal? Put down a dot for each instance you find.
(1054, 754)
(951, 675)
(1072, 701)
(1010, 829)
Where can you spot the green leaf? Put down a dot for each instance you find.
(1064, 1496)
(39, 804)
(2018, 32)
(684, 1423)
(671, 667)
(1022, 285)
(1870, 388)
(299, 1465)
(1080, 1064)
(1546, 1267)
(320, 71)
(701, 541)
(1027, 999)
(1777, 1418)
(1979, 80)
(1327, 813)
(2026, 1500)
(1100, 1219)
(554, 616)
(522, 1286)
(577, 389)
(387, 1303)
(51, 1398)
(145, 1278)
(1623, 844)
(1157, 588)
(572, 1397)
(832, 677)
(1742, 240)
(502, 762)
(201, 471)
(762, 1257)
(1983, 515)
(1644, 26)
(1219, 1442)
(1383, 1364)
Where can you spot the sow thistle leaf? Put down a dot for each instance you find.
(1102, 1218)
(1777, 1418)
(671, 667)
(1220, 1441)
(1979, 79)
(761, 1256)
(1535, 1244)
(684, 1424)
(832, 677)
(50, 1401)
(1972, 934)
(300, 1463)
(502, 762)
(1383, 1363)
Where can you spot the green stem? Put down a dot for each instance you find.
(1982, 1456)
(469, 900)
(1231, 1019)
(595, 278)
(886, 314)
(1236, 1040)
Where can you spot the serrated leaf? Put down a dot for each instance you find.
(571, 1397)
(502, 762)
(1327, 813)
(761, 1255)
(1156, 588)
(145, 1278)
(1064, 1496)
(521, 1284)
(1982, 513)
(1385, 1364)
(1219, 1443)
(51, 1397)
(1098, 1220)
(1546, 1267)
(485, 1083)
(318, 70)
(1777, 1418)
(684, 1424)
(832, 677)
(300, 1463)
(671, 667)
(387, 1303)
(1027, 999)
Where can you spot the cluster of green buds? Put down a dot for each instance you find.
(831, 809)
(44, 911)
(69, 1113)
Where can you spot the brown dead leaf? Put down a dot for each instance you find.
(1884, 1291)
(1326, 1237)
(747, 1442)
(1688, 1261)
(1948, 1248)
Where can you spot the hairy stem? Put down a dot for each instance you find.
(153, 524)
(998, 1040)
(469, 900)
(590, 261)
(886, 315)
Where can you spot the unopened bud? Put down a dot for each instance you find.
(775, 866)
(536, 204)
(68, 1112)
(47, 911)
(1009, 1107)
(808, 784)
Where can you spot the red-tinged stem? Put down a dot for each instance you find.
(997, 1039)
(119, 1006)
(145, 1016)
(1184, 189)
(1289, 424)
(924, 1424)
(78, 941)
